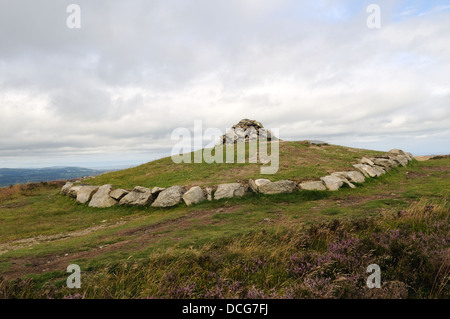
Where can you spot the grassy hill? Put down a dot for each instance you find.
(299, 161)
(299, 245)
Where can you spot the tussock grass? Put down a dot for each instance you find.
(423, 211)
(323, 260)
(300, 245)
(14, 191)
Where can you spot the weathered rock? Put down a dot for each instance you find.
(345, 180)
(169, 197)
(118, 194)
(247, 130)
(379, 170)
(391, 161)
(360, 168)
(333, 183)
(65, 189)
(262, 181)
(102, 199)
(355, 177)
(395, 151)
(401, 159)
(156, 190)
(139, 196)
(230, 190)
(279, 187)
(410, 156)
(383, 162)
(367, 161)
(366, 170)
(252, 185)
(194, 195)
(209, 193)
(352, 176)
(85, 194)
(313, 186)
(73, 191)
(255, 184)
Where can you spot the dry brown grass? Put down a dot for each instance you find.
(422, 211)
(26, 189)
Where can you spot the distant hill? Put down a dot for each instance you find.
(14, 176)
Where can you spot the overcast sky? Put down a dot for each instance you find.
(111, 92)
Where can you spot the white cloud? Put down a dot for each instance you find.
(134, 72)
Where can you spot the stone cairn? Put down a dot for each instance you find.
(246, 130)
(107, 196)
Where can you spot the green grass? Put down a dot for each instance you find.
(331, 211)
(209, 242)
(298, 161)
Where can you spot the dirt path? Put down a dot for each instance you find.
(32, 241)
(137, 238)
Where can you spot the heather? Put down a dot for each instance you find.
(300, 245)
(323, 260)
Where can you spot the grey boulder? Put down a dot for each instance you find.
(73, 191)
(386, 163)
(352, 176)
(102, 199)
(256, 184)
(85, 194)
(396, 151)
(401, 159)
(169, 197)
(65, 189)
(332, 183)
(379, 170)
(139, 196)
(313, 186)
(366, 170)
(366, 161)
(156, 190)
(230, 190)
(118, 194)
(194, 195)
(279, 187)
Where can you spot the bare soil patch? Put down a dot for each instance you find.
(138, 238)
(29, 242)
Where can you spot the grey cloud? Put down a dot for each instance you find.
(138, 69)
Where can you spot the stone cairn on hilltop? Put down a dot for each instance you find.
(247, 130)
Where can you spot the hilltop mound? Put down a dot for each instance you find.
(299, 161)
